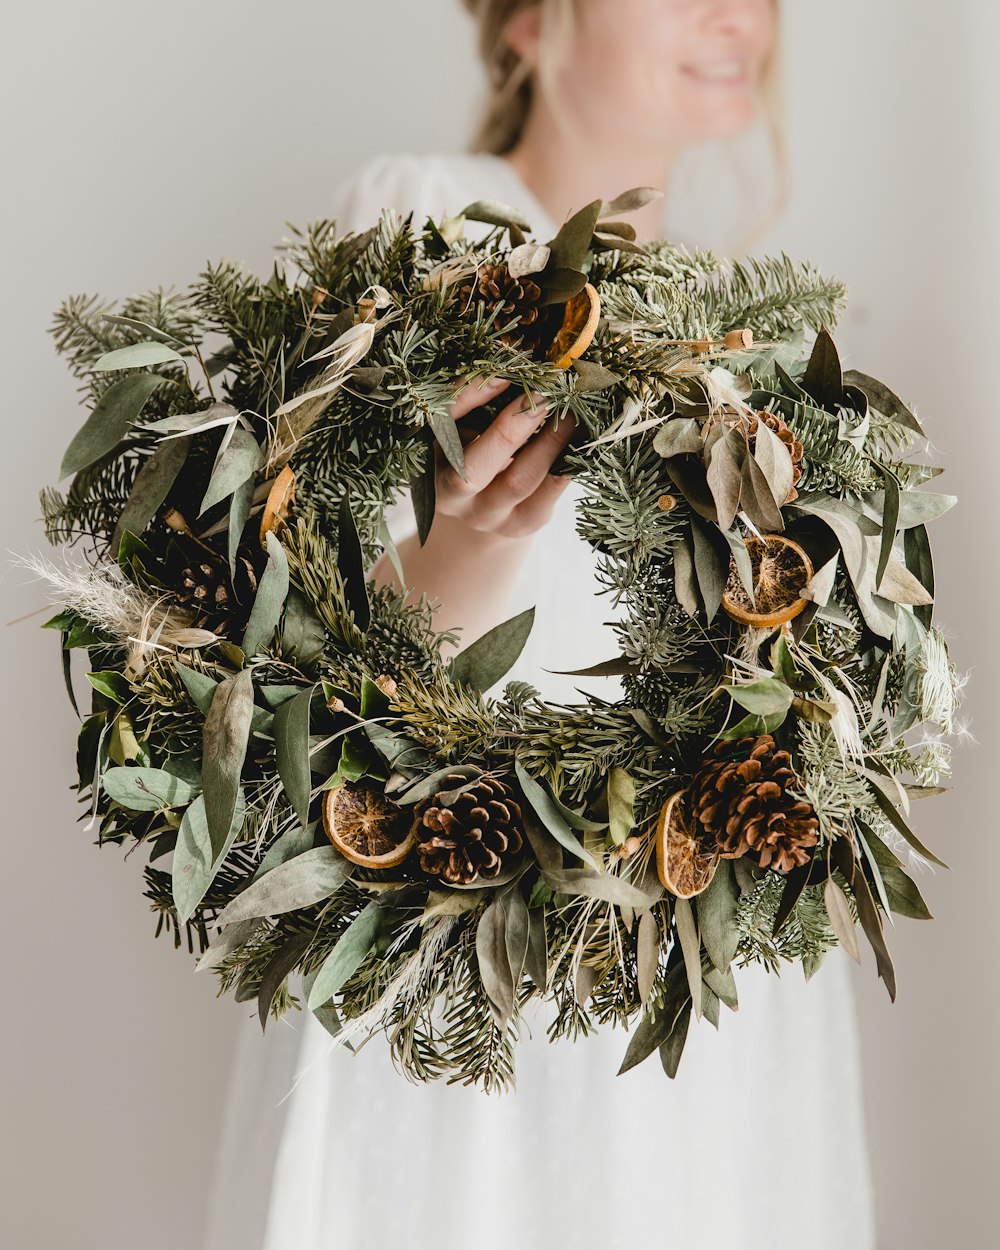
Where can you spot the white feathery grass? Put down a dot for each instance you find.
(118, 607)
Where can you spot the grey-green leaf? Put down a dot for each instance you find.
(300, 882)
(240, 460)
(494, 963)
(150, 488)
(109, 422)
(270, 598)
(551, 817)
(346, 957)
(194, 864)
(291, 749)
(226, 735)
(136, 356)
(717, 917)
(147, 789)
(484, 662)
(677, 436)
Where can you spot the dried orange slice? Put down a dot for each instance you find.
(683, 865)
(279, 502)
(366, 827)
(781, 572)
(579, 326)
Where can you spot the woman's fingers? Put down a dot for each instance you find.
(474, 394)
(493, 450)
(529, 468)
(532, 513)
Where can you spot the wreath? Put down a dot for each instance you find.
(335, 807)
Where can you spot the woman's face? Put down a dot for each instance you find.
(669, 72)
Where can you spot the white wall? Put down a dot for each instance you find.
(140, 142)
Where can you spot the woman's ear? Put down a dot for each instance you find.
(523, 32)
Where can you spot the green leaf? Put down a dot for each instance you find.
(572, 243)
(766, 697)
(301, 882)
(351, 563)
(516, 931)
(753, 726)
(756, 499)
(278, 968)
(112, 685)
(239, 462)
(493, 213)
(716, 906)
(711, 566)
(293, 842)
(917, 556)
(621, 805)
(269, 600)
(725, 476)
(884, 400)
(423, 491)
(672, 1049)
(150, 489)
(239, 513)
(889, 809)
(199, 686)
(536, 963)
(890, 522)
(494, 963)
(782, 662)
(194, 865)
(655, 1026)
(146, 789)
(136, 356)
(551, 817)
(445, 430)
(685, 578)
(346, 957)
(823, 378)
(902, 892)
(687, 934)
(677, 436)
(775, 462)
(601, 885)
(110, 421)
(841, 920)
(302, 634)
(291, 749)
(484, 662)
(225, 740)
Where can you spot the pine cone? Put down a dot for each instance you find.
(471, 836)
(740, 799)
(215, 600)
(494, 286)
(787, 436)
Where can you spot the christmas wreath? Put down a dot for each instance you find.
(334, 806)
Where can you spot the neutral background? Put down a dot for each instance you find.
(141, 141)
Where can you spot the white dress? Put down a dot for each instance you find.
(758, 1144)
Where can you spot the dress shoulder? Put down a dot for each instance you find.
(427, 185)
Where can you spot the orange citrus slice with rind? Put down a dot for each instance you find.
(684, 867)
(366, 827)
(781, 572)
(278, 504)
(579, 325)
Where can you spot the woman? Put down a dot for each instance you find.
(759, 1142)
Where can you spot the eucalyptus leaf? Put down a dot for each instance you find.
(687, 934)
(600, 885)
(621, 804)
(493, 213)
(239, 514)
(841, 920)
(678, 436)
(446, 433)
(766, 697)
(884, 400)
(225, 739)
(149, 490)
(647, 954)
(536, 960)
(194, 863)
(629, 201)
(711, 566)
(494, 964)
(685, 578)
(302, 634)
(147, 789)
(291, 750)
(347, 956)
(423, 491)
(656, 1026)
(516, 931)
(301, 882)
(572, 243)
(917, 556)
(277, 971)
(136, 356)
(351, 563)
(549, 813)
(238, 461)
(775, 462)
(717, 917)
(527, 259)
(823, 378)
(487, 660)
(109, 422)
(725, 476)
(756, 500)
(232, 937)
(269, 600)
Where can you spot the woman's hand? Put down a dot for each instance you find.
(507, 489)
(482, 522)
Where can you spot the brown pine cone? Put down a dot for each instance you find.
(494, 286)
(470, 836)
(741, 801)
(787, 436)
(214, 600)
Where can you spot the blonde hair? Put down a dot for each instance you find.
(510, 89)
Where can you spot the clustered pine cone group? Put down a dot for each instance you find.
(495, 287)
(787, 436)
(468, 830)
(741, 802)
